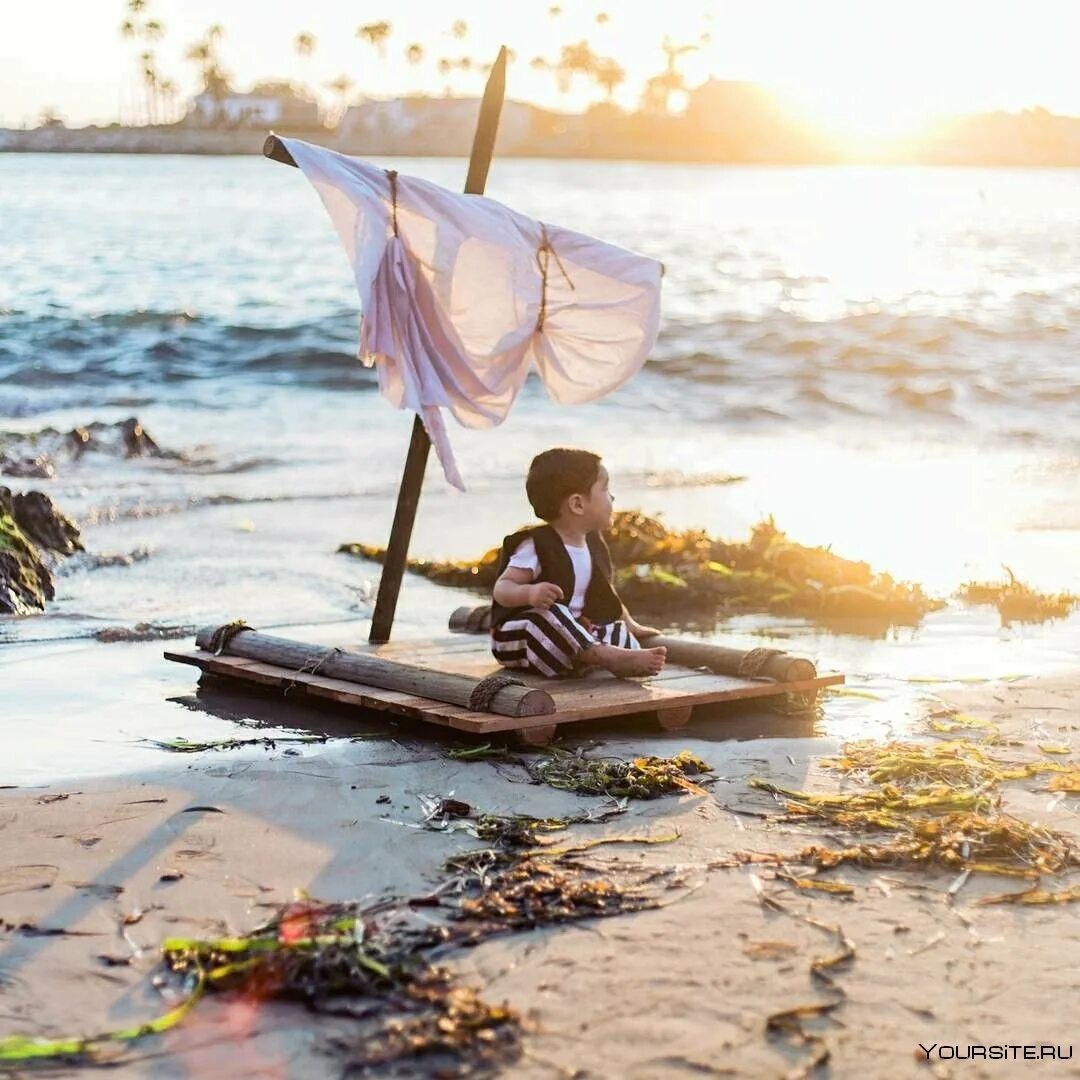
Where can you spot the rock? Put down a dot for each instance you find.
(37, 454)
(30, 525)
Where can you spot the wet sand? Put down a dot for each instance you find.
(669, 992)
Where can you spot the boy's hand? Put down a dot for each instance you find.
(543, 594)
(639, 630)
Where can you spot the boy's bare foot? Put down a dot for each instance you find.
(628, 663)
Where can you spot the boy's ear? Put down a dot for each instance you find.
(575, 503)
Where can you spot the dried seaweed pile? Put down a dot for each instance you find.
(938, 805)
(956, 764)
(375, 964)
(1017, 602)
(639, 778)
(691, 574)
(507, 831)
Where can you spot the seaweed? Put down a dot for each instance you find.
(1034, 895)
(1017, 602)
(689, 576)
(938, 803)
(639, 778)
(957, 764)
(507, 831)
(1068, 781)
(184, 746)
(486, 751)
(375, 963)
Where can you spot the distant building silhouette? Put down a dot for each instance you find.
(724, 121)
(428, 125)
(267, 104)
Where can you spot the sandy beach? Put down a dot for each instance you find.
(210, 848)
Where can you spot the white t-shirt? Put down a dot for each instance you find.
(525, 558)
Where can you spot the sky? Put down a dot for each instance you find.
(860, 67)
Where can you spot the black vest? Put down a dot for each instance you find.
(602, 604)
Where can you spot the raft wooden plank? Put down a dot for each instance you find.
(473, 658)
(597, 696)
(349, 693)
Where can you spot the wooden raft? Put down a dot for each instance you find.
(671, 695)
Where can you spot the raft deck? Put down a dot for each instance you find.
(671, 696)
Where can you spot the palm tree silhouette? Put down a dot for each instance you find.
(656, 97)
(304, 44)
(609, 75)
(341, 86)
(204, 53)
(147, 30)
(376, 34)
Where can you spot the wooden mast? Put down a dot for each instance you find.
(412, 477)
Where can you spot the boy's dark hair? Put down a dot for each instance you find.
(557, 474)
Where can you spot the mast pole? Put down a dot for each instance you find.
(412, 477)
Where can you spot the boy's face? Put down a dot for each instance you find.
(599, 502)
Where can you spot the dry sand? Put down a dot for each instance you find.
(669, 992)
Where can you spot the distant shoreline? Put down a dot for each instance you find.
(248, 142)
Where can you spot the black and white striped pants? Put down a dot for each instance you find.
(548, 641)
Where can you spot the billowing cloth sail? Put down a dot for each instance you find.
(460, 296)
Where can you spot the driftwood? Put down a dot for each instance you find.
(752, 663)
(369, 670)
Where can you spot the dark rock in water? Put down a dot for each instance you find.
(36, 454)
(30, 525)
(35, 468)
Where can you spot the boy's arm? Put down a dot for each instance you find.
(515, 589)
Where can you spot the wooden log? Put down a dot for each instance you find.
(743, 663)
(674, 719)
(780, 667)
(367, 670)
(471, 620)
(538, 735)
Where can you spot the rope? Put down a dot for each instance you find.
(544, 256)
(752, 663)
(220, 638)
(391, 175)
(310, 667)
(484, 691)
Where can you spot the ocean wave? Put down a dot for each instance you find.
(48, 350)
(995, 369)
(996, 374)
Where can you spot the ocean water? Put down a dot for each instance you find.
(891, 357)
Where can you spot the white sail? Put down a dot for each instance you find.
(460, 296)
